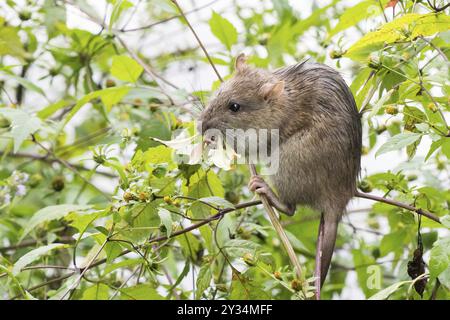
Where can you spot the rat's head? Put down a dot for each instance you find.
(249, 100)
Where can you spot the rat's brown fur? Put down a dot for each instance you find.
(320, 135)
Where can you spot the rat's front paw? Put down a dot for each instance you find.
(258, 185)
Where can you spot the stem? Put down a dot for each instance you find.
(420, 211)
(198, 40)
(279, 229)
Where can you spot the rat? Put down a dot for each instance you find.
(319, 139)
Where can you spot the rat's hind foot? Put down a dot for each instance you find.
(258, 185)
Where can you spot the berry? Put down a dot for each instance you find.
(58, 183)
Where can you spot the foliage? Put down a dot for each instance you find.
(93, 204)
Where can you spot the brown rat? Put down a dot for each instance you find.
(320, 138)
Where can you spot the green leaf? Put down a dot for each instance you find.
(125, 68)
(355, 14)
(51, 109)
(166, 219)
(237, 248)
(404, 28)
(217, 202)
(439, 257)
(52, 213)
(22, 125)
(98, 291)
(223, 30)
(10, 43)
(385, 293)
(392, 242)
(33, 255)
(140, 292)
(119, 7)
(109, 97)
(203, 280)
(399, 141)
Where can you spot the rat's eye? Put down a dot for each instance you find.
(233, 106)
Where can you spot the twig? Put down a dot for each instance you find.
(50, 160)
(151, 25)
(68, 166)
(198, 40)
(437, 9)
(420, 211)
(29, 243)
(78, 280)
(279, 229)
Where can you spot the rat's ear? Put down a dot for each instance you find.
(240, 63)
(272, 90)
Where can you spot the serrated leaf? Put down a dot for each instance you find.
(399, 141)
(439, 257)
(355, 14)
(223, 30)
(203, 280)
(218, 202)
(33, 255)
(406, 27)
(52, 213)
(125, 68)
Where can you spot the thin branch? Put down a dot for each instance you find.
(151, 25)
(50, 160)
(436, 8)
(68, 166)
(198, 40)
(29, 243)
(441, 53)
(399, 204)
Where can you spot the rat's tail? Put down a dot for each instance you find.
(325, 246)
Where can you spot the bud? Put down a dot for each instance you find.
(25, 15)
(176, 203)
(128, 196)
(335, 54)
(365, 186)
(249, 259)
(35, 179)
(144, 196)
(167, 199)
(296, 285)
(374, 62)
(432, 107)
(110, 83)
(277, 275)
(99, 158)
(391, 109)
(58, 183)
